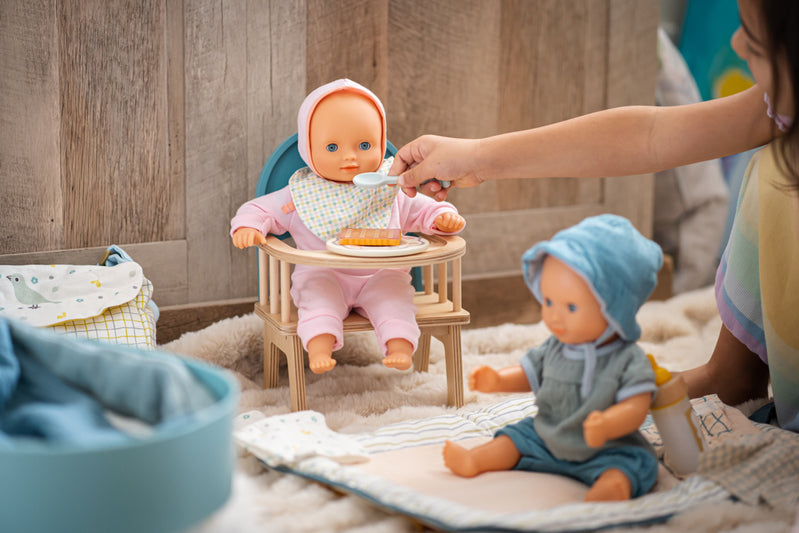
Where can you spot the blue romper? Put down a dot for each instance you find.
(553, 440)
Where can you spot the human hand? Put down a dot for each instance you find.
(431, 157)
(484, 379)
(246, 237)
(594, 429)
(449, 222)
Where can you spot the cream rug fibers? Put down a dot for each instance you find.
(360, 395)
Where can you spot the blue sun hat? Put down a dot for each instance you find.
(618, 263)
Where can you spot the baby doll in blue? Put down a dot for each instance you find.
(593, 384)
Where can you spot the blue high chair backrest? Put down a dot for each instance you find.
(285, 161)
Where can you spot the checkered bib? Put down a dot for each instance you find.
(326, 207)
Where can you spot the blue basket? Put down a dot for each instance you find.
(165, 483)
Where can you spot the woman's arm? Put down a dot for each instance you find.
(630, 140)
(733, 372)
(613, 142)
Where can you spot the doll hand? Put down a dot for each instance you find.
(246, 237)
(594, 429)
(431, 157)
(483, 379)
(449, 222)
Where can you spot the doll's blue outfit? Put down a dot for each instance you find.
(570, 381)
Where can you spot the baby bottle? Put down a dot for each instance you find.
(676, 422)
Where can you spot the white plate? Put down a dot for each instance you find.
(409, 245)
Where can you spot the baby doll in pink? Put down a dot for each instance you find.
(341, 133)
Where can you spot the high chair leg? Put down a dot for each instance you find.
(296, 366)
(421, 358)
(453, 358)
(271, 362)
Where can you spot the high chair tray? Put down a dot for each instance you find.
(409, 245)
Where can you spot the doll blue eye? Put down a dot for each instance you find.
(572, 308)
(547, 302)
(332, 147)
(365, 145)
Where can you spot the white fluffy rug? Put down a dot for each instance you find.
(360, 394)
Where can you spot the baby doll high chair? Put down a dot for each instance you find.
(437, 315)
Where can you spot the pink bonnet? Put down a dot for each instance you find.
(313, 99)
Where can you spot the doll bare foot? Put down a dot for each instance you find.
(320, 353)
(612, 485)
(398, 361)
(321, 363)
(459, 460)
(399, 354)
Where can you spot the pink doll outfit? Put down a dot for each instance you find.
(325, 296)
(384, 296)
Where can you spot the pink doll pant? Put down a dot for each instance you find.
(324, 298)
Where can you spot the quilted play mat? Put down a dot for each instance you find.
(399, 468)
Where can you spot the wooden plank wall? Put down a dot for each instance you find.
(31, 212)
(146, 123)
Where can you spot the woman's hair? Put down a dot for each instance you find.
(781, 22)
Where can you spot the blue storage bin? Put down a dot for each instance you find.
(164, 483)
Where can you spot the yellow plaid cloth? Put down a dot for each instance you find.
(131, 323)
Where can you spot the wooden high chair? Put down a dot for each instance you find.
(437, 315)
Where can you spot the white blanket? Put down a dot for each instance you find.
(43, 295)
(361, 395)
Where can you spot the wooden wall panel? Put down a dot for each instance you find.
(577, 67)
(275, 79)
(164, 264)
(443, 68)
(496, 241)
(632, 58)
(549, 64)
(176, 125)
(146, 123)
(275, 88)
(348, 39)
(444, 62)
(244, 75)
(30, 165)
(115, 176)
(216, 139)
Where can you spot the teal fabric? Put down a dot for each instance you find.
(555, 374)
(115, 256)
(638, 464)
(56, 389)
(618, 263)
(705, 44)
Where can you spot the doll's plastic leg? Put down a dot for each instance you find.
(612, 485)
(399, 354)
(498, 454)
(320, 353)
